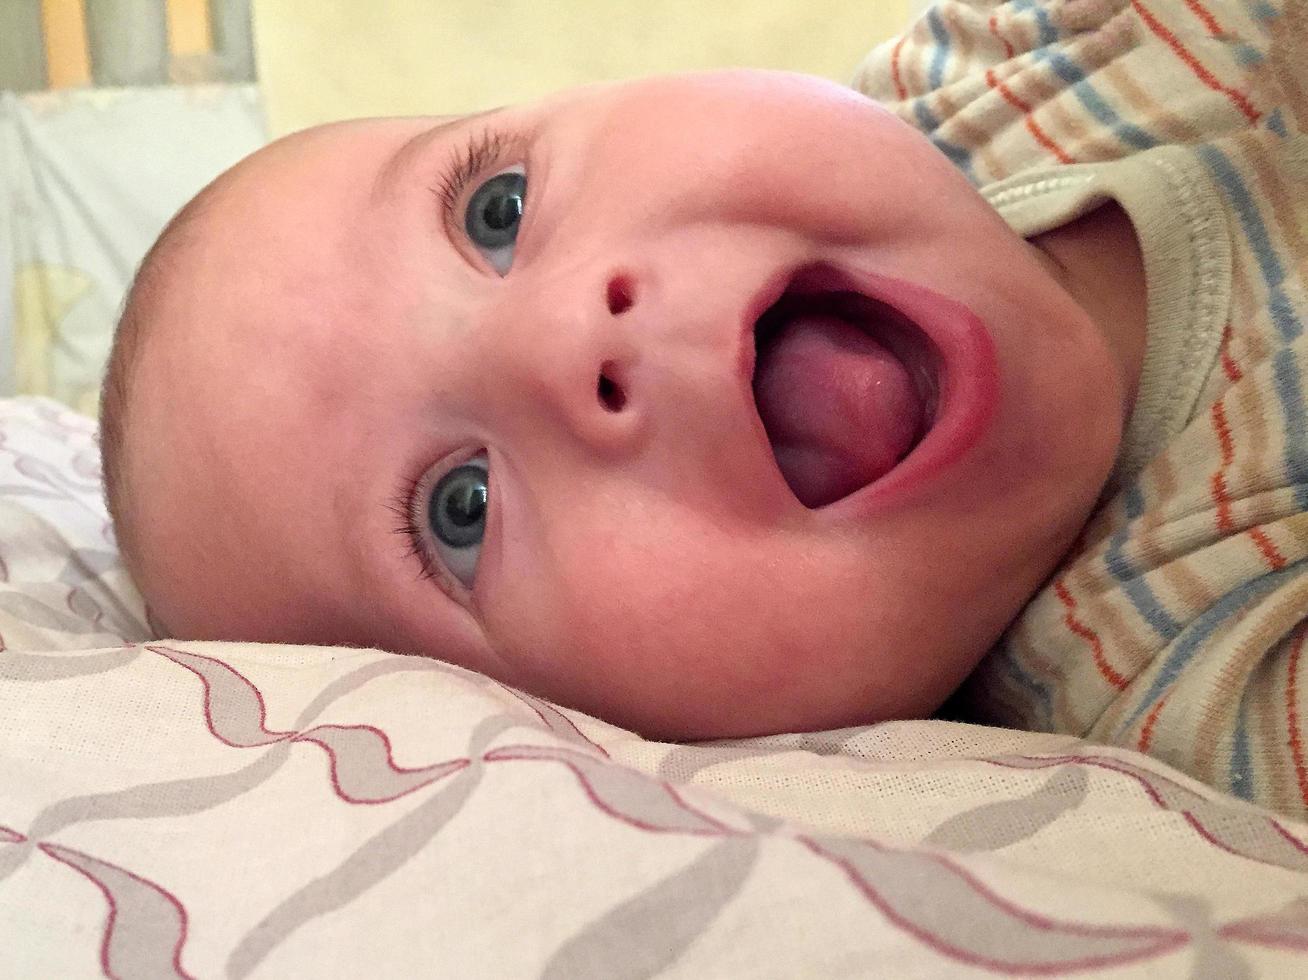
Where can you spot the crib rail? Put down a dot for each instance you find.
(72, 43)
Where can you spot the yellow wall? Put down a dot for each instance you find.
(333, 59)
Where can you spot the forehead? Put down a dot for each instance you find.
(257, 323)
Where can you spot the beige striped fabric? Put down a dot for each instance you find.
(1177, 626)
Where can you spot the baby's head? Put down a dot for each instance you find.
(486, 389)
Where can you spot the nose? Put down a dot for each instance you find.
(576, 351)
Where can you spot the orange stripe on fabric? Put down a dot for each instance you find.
(895, 75)
(1271, 554)
(1223, 430)
(1038, 134)
(67, 56)
(1229, 367)
(189, 32)
(1084, 632)
(1222, 498)
(1292, 715)
(1200, 72)
(1209, 21)
(1147, 730)
(1223, 501)
(994, 29)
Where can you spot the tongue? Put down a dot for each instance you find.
(839, 408)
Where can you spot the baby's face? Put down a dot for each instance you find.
(486, 389)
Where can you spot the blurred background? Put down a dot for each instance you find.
(113, 113)
(321, 60)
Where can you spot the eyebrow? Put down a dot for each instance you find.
(394, 168)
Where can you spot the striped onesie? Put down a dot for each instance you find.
(1177, 625)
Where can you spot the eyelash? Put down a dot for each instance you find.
(403, 505)
(467, 163)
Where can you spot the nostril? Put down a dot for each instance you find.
(610, 393)
(621, 294)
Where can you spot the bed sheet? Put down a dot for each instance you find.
(210, 809)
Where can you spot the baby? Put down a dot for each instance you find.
(713, 405)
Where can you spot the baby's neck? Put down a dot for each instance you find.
(1097, 259)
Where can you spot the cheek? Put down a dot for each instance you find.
(765, 148)
(696, 634)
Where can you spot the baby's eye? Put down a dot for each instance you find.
(456, 514)
(494, 214)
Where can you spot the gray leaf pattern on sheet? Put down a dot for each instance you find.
(376, 859)
(1287, 928)
(235, 714)
(1211, 957)
(29, 667)
(645, 934)
(1222, 823)
(148, 926)
(956, 914)
(371, 863)
(930, 897)
(233, 708)
(624, 793)
(373, 776)
(39, 614)
(1004, 822)
(170, 798)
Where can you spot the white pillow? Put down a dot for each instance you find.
(62, 582)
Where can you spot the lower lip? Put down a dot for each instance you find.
(969, 388)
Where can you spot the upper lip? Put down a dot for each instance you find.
(764, 299)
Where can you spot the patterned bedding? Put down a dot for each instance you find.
(238, 810)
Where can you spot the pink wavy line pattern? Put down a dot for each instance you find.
(10, 836)
(241, 721)
(555, 720)
(360, 758)
(622, 793)
(363, 771)
(1287, 929)
(361, 775)
(146, 927)
(1169, 795)
(982, 914)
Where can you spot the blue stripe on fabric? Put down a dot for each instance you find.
(958, 156)
(1264, 11)
(1288, 381)
(936, 73)
(1247, 55)
(926, 119)
(1241, 769)
(1086, 93)
(1202, 628)
(1286, 372)
(1036, 688)
(1081, 86)
(1269, 263)
(1048, 34)
(1276, 123)
(1127, 575)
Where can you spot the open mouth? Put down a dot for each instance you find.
(847, 386)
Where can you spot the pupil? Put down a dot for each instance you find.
(495, 211)
(457, 508)
(466, 503)
(503, 212)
